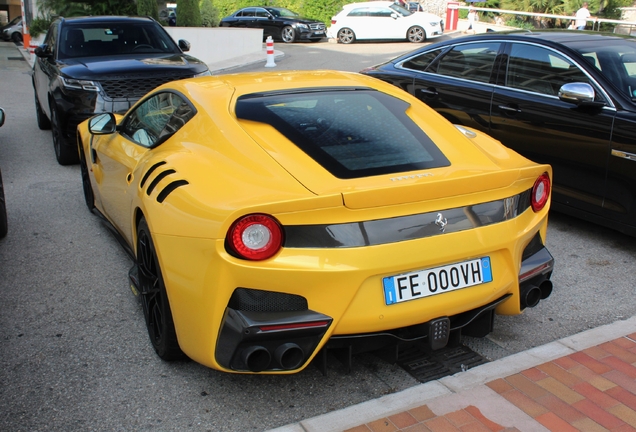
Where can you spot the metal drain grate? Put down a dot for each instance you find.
(15, 58)
(425, 365)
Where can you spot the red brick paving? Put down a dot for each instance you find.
(592, 390)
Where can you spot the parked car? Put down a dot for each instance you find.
(383, 20)
(13, 30)
(563, 98)
(271, 215)
(279, 23)
(89, 65)
(3, 206)
(415, 7)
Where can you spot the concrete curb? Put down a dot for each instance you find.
(464, 386)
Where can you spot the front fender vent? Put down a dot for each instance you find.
(154, 175)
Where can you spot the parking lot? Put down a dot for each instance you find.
(74, 351)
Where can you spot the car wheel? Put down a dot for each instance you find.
(16, 37)
(346, 36)
(89, 196)
(3, 212)
(65, 154)
(43, 121)
(288, 34)
(416, 34)
(154, 299)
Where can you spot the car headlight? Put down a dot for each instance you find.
(302, 26)
(202, 74)
(76, 84)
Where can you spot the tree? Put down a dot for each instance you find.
(188, 13)
(209, 14)
(69, 8)
(148, 8)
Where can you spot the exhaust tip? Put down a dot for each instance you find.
(532, 296)
(256, 358)
(546, 289)
(289, 356)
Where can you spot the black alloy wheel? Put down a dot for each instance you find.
(89, 196)
(288, 34)
(154, 299)
(65, 154)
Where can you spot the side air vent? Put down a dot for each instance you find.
(150, 171)
(159, 175)
(168, 189)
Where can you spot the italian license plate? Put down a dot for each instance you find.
(438, 280)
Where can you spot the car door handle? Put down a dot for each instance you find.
(511, 109)
(624, 155)
(429, 91)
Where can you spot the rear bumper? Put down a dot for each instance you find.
(258, 341)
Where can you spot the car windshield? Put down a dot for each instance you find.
(112, 39)
(14, 21)
(401, 9)
(282, 12)
(615, 60)
(351, 132)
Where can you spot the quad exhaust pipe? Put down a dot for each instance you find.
(287, 356)
(531, 294)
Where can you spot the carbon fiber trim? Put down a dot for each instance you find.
(383, 231)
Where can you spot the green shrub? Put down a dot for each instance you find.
(209, 14)
(148, 8)
(188, 13)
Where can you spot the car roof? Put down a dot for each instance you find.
(368, 4)
(106, 18)
(558, 36)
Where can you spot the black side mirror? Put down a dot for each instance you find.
(184, 45)
(1, 116)
(43, 51)
(102, 124)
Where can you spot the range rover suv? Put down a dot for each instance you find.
(89, 65)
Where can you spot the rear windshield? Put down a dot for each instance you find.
(351, 132)
(107, 39)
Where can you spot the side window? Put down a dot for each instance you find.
(380, 12)
(359, 12)
(51, 37)
(422, 61)
(540, 70)
(261, 13)
(470, 61)
(158, 118)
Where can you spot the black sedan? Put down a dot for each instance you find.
(279, 23)
(563, 97)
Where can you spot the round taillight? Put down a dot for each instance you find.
(255, 237)
(540, 192)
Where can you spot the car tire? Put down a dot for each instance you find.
(65, 154)
(416, 34)
(43, 121)
(154, 298)
(346, 36)
(89, 196)
(288, 34)
(16, 37)
(4, 228)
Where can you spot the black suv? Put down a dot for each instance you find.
(89, 65)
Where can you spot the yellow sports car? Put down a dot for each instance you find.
(274, 215)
